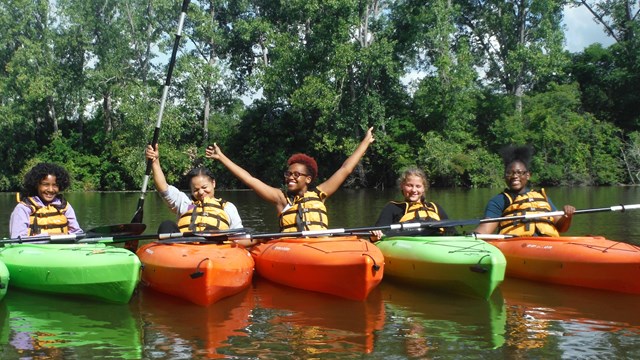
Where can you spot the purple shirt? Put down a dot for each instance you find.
(19, 221)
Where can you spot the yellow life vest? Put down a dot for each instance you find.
(306, 212)
(204, 215)
(48, 219)
(420, 211)
(531, 202)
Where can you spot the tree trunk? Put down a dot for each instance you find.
(106, 112)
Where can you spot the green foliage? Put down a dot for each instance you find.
(572, 148)
(81, 83)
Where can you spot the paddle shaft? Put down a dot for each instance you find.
(137, 217)
(560, 213)
(132, 230)
(427, 224)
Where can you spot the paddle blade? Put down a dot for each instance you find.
(118, 230)
(137, 216)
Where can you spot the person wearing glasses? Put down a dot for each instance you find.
(518, 199)
(301, 206)
(201, 210)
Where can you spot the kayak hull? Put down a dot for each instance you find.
(4, 280)
(87, 270)
(344, 266)
(454, 264)
(198, 272)
(592, 262)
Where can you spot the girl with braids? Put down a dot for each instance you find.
(301, 207)
(519, 199)
(41, 208)
(413, 185)
(199, 212)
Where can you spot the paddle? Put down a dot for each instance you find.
(423, 224)
(558, 213)
(138, 215)
(400, 226)
(131, 230)
(85, 238)
(198, 236)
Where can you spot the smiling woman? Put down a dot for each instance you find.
(300, 207)
(41, 208)
(199, 212)
(519, 199)
(413, 185)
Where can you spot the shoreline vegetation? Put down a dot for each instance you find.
(81, 86)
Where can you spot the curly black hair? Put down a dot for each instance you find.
(33, 177)
(512, 153)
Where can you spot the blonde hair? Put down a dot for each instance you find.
(413, 171)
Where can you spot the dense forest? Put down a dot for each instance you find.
(445, 84)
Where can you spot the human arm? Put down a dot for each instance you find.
(158, 176)
(390, 214)
(74, 226)
(563, 223)
(176, 200)
(493, 210)
(268, 193)
(335, 181)
(234, 217)
(19, 221)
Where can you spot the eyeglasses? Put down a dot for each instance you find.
(517, 173)
(294, 173)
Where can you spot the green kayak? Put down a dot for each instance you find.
(88, 270)
(455, 264)
(4, 280)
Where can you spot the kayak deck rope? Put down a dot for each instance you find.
(478, 268)
(198, 273)
(375, 266)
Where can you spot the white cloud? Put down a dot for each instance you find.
(581, 30)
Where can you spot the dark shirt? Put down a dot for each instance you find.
(393, 212)
(498, 204)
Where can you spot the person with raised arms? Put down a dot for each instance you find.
(413, 184)
(518, 199)
(200, 211)
(300, 206)
(41, 207)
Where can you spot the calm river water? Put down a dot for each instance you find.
(522, 320)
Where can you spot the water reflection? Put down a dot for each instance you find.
(566, 320)
(176, 329)
(40, 326)
(437, 324)
(312, 323)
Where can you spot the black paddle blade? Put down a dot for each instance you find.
(118, 230)
(138, 215)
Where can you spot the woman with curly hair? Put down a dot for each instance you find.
(518, 199)
(41, 208)
(301, 207)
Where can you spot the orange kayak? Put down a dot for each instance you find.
(592, 262)
(344, 266)
(198, 272)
